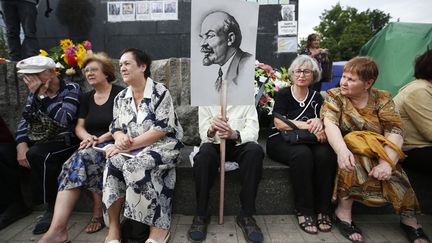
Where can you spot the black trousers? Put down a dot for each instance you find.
(10, 174)
(46, 161)
(249, 156)
(312, 171)
(17, 14)
(418, 160)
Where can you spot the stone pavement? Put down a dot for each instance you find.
(276, 228)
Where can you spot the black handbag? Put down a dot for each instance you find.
(296, 136)
(133, 231)
(41, 127)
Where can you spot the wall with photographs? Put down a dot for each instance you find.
(161, 38)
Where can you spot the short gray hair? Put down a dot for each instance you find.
(305, 59)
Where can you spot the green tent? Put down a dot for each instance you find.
(395, 48)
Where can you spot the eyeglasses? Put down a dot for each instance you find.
(90, 70)
(306, 72)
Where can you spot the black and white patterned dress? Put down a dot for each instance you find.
(146, 181)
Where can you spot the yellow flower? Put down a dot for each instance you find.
(80, 54)
(65, 43)
(43, 53)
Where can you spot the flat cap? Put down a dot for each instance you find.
(35, 64)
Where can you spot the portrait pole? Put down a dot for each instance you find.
(222, 155)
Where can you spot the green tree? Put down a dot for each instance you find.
(345, 31)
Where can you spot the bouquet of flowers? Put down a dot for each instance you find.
(268, 81)
(68, 55)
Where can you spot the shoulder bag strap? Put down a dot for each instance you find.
(284, 119)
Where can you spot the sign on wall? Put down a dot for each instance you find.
(121, 11)
(287, 30)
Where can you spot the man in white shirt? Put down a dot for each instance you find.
(241, 133)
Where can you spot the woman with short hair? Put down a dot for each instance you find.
(85, 167)
(365, 130)
(144, 119)
(312, 166)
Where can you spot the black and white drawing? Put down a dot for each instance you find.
(288, 12)
(223, 41)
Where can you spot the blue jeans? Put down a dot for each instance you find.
(17, 13)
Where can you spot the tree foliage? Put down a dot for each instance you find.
(345, 31)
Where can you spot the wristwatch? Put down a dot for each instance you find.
(238, 140)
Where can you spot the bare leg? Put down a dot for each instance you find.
(97, 204)
(343, 212)
(114, 220)
(158, 234)
(65, 203)
(97, 212)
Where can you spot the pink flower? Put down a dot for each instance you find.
(265, 99)
(87, 45)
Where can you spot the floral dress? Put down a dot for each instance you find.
(379, 116)
(84, 169)
(146, 181)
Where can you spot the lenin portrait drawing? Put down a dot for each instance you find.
(218, 54)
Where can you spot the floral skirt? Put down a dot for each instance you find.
(147, 183)
(357, 185)
(84, 169)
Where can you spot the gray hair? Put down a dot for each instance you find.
(304, 59)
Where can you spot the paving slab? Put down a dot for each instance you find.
(276, 229)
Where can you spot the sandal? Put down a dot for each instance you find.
(167, 237)
(309, 221)
(98, 221)
(414, 234)
(347, 229)
(324, 220)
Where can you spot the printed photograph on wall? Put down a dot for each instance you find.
(122, 11)
(128, 11)
(288, 12)
(142, 11)
(113, 9)
(223, 42)
(170, 9)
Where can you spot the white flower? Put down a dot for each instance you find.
(70, 71)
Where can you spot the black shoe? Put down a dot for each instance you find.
(198, 230)
(44, 223)
(134, 232)
(413, 233)
(251, 231)
(13, 213)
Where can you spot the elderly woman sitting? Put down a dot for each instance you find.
(364, 129)
(143, 119)
(312, 166)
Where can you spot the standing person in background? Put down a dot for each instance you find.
(85, 167)
(322, 56)
(17, 13)
(44, 136)
(12, 206)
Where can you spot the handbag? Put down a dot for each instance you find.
(296, 136)
(41, 127)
